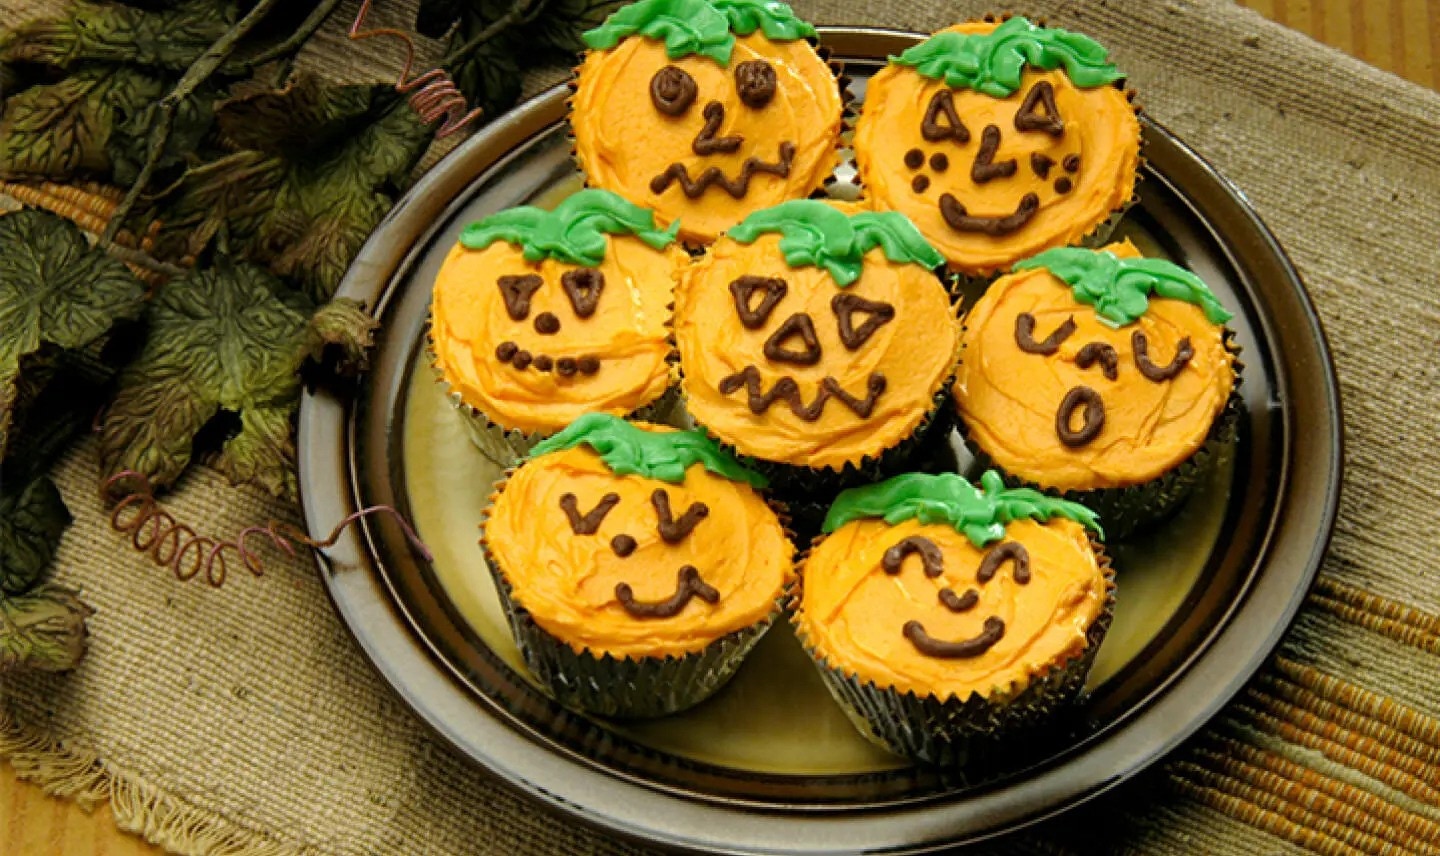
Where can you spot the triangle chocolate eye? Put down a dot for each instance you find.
(845, 306)
(942, 106)
(743, 289)
(516, 291)
(1029, 118)
(583, 287)
(797, 325)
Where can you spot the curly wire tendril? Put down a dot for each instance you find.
(433, 95)
(170, 543)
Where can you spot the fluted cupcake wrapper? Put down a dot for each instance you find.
(952, 731)
(506, 446)
(623, 687)
(1123, 511)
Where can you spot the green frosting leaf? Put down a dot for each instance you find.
(705, 27)
(574, 232)
(630, 450)
(685, 26)
(1119, 288)
(979, 514)
(992, 63)
(818, 234)
(776, 20)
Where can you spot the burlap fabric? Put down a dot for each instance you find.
(245, 720)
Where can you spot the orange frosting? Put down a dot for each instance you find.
(1101, 129)
(1009, 399)
(627, 334)
(853, 612)
(623, 142)
(567, 581)
(915, 353)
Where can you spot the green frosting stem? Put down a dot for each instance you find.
(1119, 289)
(992, 63)
(574, 232)
(818, 234)
(704, 27)
(627, 449)
(979, 514)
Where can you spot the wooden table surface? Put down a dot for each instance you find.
(1401, 36)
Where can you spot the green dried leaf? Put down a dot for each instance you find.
(560, 26)
(169, 39)
(31, 522)
(435, 17)
(55, 289)
(129, 144)
(229, 338)
(42, 631)
(303, 215)
(303, 115)
(61, 129)
(342, 325)
(218, 338)
(490, 77)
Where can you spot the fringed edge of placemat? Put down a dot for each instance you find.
(138, 807)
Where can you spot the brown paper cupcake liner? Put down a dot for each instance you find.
(822, 184)
(1124, 511)
(956, 731)
(506, 446)
(623, 687)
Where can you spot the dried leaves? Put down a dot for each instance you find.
(43, 630)
(230, 338)
(56, 292)
(31, 523)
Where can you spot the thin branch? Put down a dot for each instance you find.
(290, 45)
(516, 15)
(198, 72)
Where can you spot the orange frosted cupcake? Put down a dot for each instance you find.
(942, 616)
(540, 316)
(705, 111)
(815, 337)
(999, 140)
(1101, 375)
(637, 565)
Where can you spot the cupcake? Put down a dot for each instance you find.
(814, 340)
(999, 141)
(540, 316)
(1100, 375)
(945, 618)
(637, 565)
(705, 110)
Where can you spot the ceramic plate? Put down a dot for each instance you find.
(770, 765)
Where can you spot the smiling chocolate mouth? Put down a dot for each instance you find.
(516, 356)
(962, 221)
(788, 389)
(688, 584)
(737, 187)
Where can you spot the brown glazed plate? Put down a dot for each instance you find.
(770, 765)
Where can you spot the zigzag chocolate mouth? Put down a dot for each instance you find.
(736, 187)
(786, 388)
(512, 354)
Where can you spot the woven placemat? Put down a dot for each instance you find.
(245, 720)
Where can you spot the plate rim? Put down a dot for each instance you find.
(367, 606)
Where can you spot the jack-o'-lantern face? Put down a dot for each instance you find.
(537, 343)
(990, 177)
(1066, 397)
(620, 561)
(921, 606)
(780, 359)
(705, 141)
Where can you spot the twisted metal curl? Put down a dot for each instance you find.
(171, 543)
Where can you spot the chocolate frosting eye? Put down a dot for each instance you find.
(755, 82)
(672, 90)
